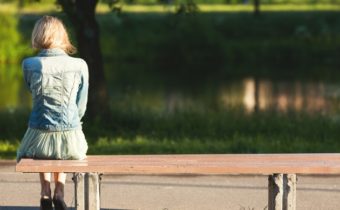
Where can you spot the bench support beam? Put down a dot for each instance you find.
(92, 197)
(282, 192)
(87, 191)
(78, 179)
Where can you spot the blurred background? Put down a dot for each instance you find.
(189, 76)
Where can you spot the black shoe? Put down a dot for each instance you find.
(46, 204)
(59, 204)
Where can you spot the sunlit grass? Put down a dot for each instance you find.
(51, 7)
(145, 132)
(8, 149)
(268, 8)
(33, 7)
(8, 8)
(103, 8)
(238, 143)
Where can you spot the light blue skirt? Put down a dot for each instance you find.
(65, 145)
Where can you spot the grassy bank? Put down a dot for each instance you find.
(165, 6)
(144, 132)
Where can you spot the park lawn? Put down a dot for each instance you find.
(225, 8)
(51, 7)
(239, 143)
(192, 132)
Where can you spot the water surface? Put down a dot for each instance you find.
(248, 94)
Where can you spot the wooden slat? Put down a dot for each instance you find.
(192, 164)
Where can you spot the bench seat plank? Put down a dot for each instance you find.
(281, 168)
(264, 164)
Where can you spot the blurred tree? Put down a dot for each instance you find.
(82, 16)
(257, 7)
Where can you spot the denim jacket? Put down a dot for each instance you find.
(59, 86)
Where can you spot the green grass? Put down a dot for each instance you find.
(8, 149)
(144, 132)
(239, 143)
(223, 8)
(51, 7)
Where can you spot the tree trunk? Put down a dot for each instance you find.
(256, 7)
(82, 15)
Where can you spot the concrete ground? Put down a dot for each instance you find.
(21, 192)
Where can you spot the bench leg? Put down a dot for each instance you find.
(282, 192)
(92, 198)
(78, 179)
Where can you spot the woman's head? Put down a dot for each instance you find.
(49, 32)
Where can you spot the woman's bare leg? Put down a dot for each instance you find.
(45, 181)
(59, 180)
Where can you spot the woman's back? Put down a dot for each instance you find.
(58, 84)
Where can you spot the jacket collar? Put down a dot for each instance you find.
(51, 52)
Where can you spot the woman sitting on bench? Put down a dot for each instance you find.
(59, 86)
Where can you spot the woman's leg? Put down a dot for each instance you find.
(59, 180)
(58, 198)
(45, 181)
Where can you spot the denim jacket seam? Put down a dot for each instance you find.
(54, 117)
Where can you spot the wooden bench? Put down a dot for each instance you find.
(281, 169)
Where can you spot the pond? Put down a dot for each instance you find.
(248, 94)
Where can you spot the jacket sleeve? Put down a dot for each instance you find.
(26, 75)
(83, 90)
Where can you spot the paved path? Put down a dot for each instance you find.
(21, 192)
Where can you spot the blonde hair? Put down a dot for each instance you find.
(50, 32)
